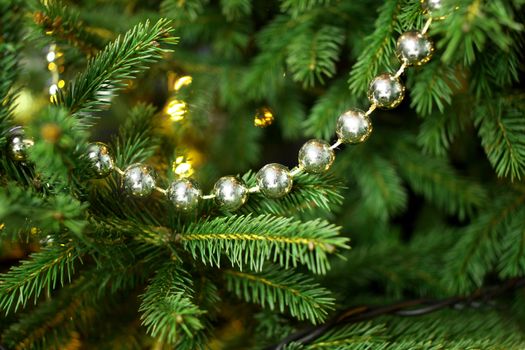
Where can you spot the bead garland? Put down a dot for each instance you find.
(413, 48)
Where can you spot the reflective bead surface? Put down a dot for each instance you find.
(230, 193)
(100, 159)
(316, 156)
(414, 48)
(274, 180)
(431, 5)
(185, 194)
(18, 144)
(139, 180)
(353, 126)
(386, 91)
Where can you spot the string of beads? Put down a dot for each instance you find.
(386, 91)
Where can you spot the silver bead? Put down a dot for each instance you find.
(185, 194)
(316, 156)
(274, 180)
(230, 193)
(414, 48)
(139, 180)
(353, 126)
(100, 158)
(386, 91)
(19, 144)
(431, 5)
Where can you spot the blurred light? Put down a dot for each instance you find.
(52, 66)
(50, 56)
(61, 83)
(2, 226)
(176, 109)
(263, 117)
(53, 89)
(182, 167)
(182, 81)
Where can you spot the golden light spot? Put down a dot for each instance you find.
(2, 226)
(263, 117)
(182, 167)
(176, 109)
(182, 81)
(61, 83)
(52, 66)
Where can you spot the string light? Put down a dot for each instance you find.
(176, 109)
(181, 82)
(263, 117)
(55, 65)
(183, 167)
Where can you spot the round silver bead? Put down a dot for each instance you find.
(185, 194)
(431, 5)
(18, 144)
(274, 180)
(100, 158)
(230, 193)
(316, 156)
(414, 48)
(353, 126)
(139, 180)
(386, 91)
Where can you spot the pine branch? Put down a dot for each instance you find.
(251, 240)
(438, 182)
(433, 87)
(236, 9)
(312, 55)
(189, 9)
(108, 71)
(415, 324)
(42, 272)
(298, 7)
(282, 290)
(439, 130)
(382, 192)
(379, 50)
(478, 249)
(473, 27)
(309, 192)
(62, 22)
(83, 300)
(167, 310)
(502, 128)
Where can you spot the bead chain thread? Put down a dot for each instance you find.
(299, 169)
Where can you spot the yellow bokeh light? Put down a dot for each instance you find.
(176, 109)
(182, 167)
(61, 84)
(182, 81)
(2, 226)
(52, 66)
(263, 117)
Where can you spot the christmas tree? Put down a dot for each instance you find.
(191, 174)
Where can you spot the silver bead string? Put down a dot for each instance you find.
(299, 168)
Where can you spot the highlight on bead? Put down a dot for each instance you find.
(353, 126)
(386, 91)
(263, 117)
(139, 180)
(230, 193)
(185, 194)
(414, 48)
(18, 144)
(316, 156)
(274, 180)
